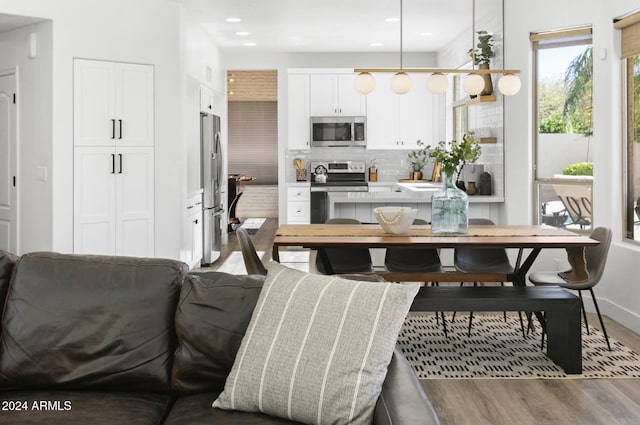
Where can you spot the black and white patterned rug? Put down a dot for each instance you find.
(497, 349)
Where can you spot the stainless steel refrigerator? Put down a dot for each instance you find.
(211, 179)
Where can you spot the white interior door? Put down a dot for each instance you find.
(8, 165)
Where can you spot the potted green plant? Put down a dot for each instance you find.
(418, 159)
(481, 55)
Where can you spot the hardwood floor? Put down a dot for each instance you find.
(518, 401)
(540, 401)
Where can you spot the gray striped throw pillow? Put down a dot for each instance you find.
(317, 348)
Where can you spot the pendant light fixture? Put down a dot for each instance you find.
(437, 83)
(401, 82)
(473, 84)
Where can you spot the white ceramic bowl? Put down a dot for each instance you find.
(395, 220)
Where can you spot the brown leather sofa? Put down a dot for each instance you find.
(118, 340)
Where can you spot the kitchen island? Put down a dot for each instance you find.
(360, 205)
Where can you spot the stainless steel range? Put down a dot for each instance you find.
(334, 176)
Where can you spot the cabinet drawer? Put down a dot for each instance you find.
(194, 203)
(298, 212)
(298, 194)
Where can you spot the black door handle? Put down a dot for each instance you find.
(120, 155)
(120, 122)
(113, 129)
(113, 163)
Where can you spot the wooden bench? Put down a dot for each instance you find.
(561, 308)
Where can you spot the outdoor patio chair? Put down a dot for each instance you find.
(577, 202)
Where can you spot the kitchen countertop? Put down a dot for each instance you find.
(419, 187)
(417, 196)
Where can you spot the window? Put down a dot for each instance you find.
(631, 64)
(563, 129)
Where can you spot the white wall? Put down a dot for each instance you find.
(34, 99)
(141, 31)
(558, 150)
(619, 293)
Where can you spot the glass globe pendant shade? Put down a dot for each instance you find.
(473, 84)
(509, 84)
(437, 83)
(401, 83)
(364, 83)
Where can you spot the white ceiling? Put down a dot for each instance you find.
(333, 25)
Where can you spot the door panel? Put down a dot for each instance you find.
(134, 104)
(134, 202)
(8, 166)
(350, 102)
(94, 194)
(94, 103)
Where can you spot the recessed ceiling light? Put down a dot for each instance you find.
(249, 44)
(233, 20)
(243, 33)
(425, 34)
(376, 44)
(392, 20)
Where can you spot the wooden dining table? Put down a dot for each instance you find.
(533, 238)
(561, 320)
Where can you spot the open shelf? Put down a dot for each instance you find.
(476, 100)
(486, 139)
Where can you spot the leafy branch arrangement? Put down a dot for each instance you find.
(419, 157)
(457, 155)
(484, 51)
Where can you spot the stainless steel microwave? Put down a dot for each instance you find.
(338, 131)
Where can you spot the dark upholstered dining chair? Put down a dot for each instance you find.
(482, 260)
(596, 258)
(345, 260)
(415, 260)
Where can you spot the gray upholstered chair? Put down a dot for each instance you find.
(482, 260)
(415, 260)
(252, 262)
(596, 258)
(345, 260)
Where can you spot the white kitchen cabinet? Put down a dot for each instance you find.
(112, 104)
(192, 231)
(299, 204)
(397, 121)
(334, 94)
(206, 100)
(113, 201)
(298, 116)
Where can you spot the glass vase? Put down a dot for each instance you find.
(449, 209)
